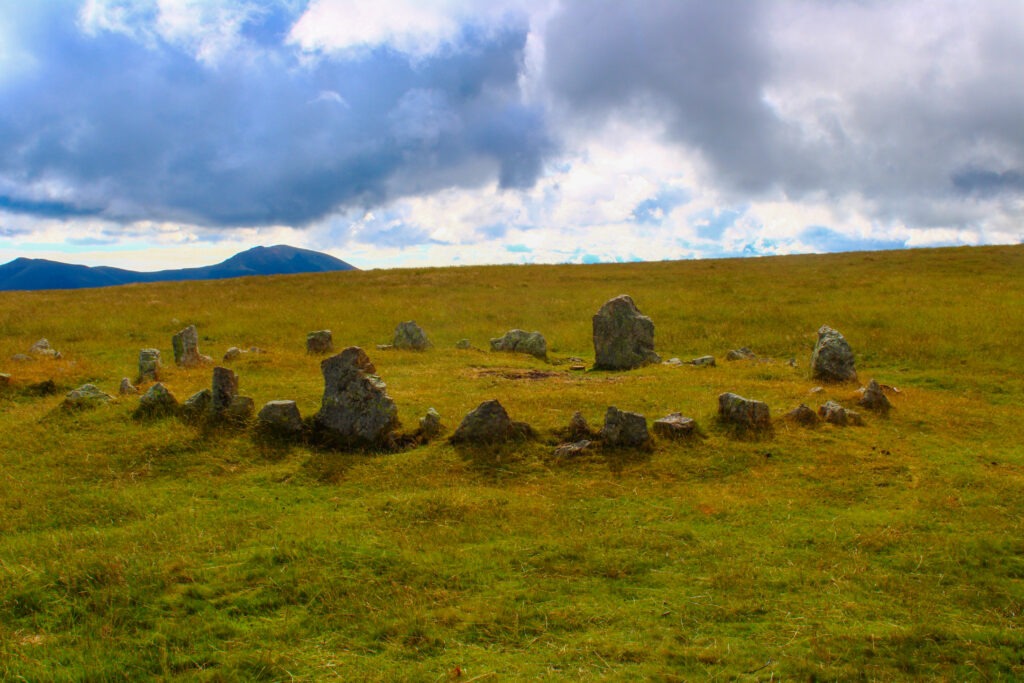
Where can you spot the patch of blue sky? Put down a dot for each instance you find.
(654, 210)
(822, 238)
(712, 223)
(518, 249)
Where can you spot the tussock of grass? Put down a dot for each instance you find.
(150, 550)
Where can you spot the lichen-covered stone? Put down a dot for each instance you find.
(149, 365)
(624, 429)
(356, 409)
(623, 338)
(742, 353)
(742, 413)
(186, 348)
(409, 335)
(156, 402)
(835, 414)
(43, 348)
(319, 342)
(489, 423)
(874, 398)
(704, 362)
(832, 359)
(430, 424)
(675, 427)
(802, 415)
(86, 396)
(233, 353)
(197, 406)
(280, 418)
(521, 341)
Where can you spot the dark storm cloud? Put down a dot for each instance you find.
(104, 123)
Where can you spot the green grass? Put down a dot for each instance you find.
(133, 551)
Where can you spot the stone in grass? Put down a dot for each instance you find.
(742, 353)
(704, 362)
(186, 348)
(409, 335)
(356, 409)
(280, 419)
(835, 414)
(225, 388)
(832, 359)
(578, 429)
(156, 402)
(874, 398)
(463, 344)
(521, 341)
(239, 411)
(197, 406)
(573, 448)
(234, 353)
(86, 396)
(127, 387)
(149, 365)
(624, 429)
(489, 423)
(802, 415)
(743, 414)
(675, 427)
(319, 342)
(430, 424)
(43, 348)
(623, 337)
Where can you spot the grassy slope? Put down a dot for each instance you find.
(889, 551)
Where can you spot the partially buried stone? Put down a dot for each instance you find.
(319, 342)
(704, 362)
(239, 411)
(571, 449)
(356, 409)
(149, 365)
(463, 344)
(623, 338)
(409, 335)
(280, 418)
(197, 405)
(742, 353)
(430, 424)
(521, 341)
(156, 402)
(186, 348)
(86, 396)
(802, 415)
(835, 414)
(234, 353)
(832, 359)
(127, 387)
(874, 398)
(43, 348)
(624, 429)
(489, 423)
(675, 427)
(743, 413)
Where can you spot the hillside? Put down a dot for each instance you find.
(891, 551)
(35, 274)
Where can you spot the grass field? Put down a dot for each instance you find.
(153, 550)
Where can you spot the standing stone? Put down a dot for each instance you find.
(356, 409)
(874, 398)
(186, 348)
(623, 338)
(156, 402)
(225, 388)
(521, 341)
(127, 387)
(149, 365)
(319, 342)
(624, 430)
(43, 348)
(675, 427)
(409, 335)
(280, 418)
(430, 424)
(86, 396)
(743, 413)
(832, 359)
(489, 423)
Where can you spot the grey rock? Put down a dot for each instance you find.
(832, 359)
(675, 427)
(874, 398)
(430, 424)
(149, 365)
(623, 338)
(578, 429)
(572, 449)
(488, 423)
(197, 406)
(225, 388)
(239, 411)
(521, 341)
(127, 387)
(409, 335)
(43, 348)
(156, 402)
(234, 353)
(280, 418)
(835, 414)
(319, 342)
(463, 344)
(802, 415)
(624, 429)
(704, 362)
(86, 396)
(672, 361)
(740, 354)
(186, 348)
(742, 413)
(385, 347)
(356, 409)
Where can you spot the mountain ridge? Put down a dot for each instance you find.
(28, 274)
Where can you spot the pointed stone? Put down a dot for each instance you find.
(409, 335)
(832, 360)
(156, 402)
(356, 409)
(874, 398)
(489, 423)
(623, 338)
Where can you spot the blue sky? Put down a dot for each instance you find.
(162, 133)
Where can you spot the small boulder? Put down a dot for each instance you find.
(578, 429)
(624, 430)
(521, 341)
(356, 409)
(149, 365)
(675, 427)
(319, 342)
(874, 398)
(573, 448)
(234, 353)
(127, 387)
(740, 354)
(280, 419)
(186, 348)
(463, 344)
(835, 414)
(43, 348)
(430, 424)
(743, 414)
(802, 415)
(673, 362)
(409, 335)
(623, 338)
(156, 402)
(488, 423)
(197, 406)
(704, 362)
(86, 396)
(832, 360)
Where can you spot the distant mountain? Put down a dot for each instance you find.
(27, 273)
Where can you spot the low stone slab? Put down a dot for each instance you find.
(572, 449)
(86, 396)
(623, 429)
(740, 354)
(521, 341)
(743, 414)
(834, 413)
(43, 348)
(675, 427)
(704, 362)
(802, 415)
(489, 423)
(233, 353)
(874, 398)
(280, 418)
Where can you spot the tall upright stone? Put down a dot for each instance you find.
(225, 388)
(186, 348)
(832, 360)
(356, 409)
(149, 365)
(623, 337)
